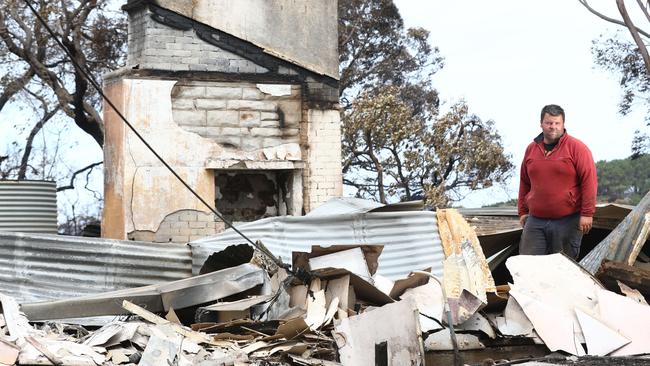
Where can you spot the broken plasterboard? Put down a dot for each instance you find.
(362, 289)
(238, 305)
(390, 332)
(441, 341)
(352, 260)
(414, 279)
(430, 303)
(514, 321)
(627, 317)
(557, 285)
(384, 284)
(554, 325)
(316, 309)
(371, 254)
(478, 323)
(601, 340)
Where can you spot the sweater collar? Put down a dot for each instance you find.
(540, 138)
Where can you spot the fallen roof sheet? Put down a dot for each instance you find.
(618, 245)
(39, 267)
(176, 294)
(344, 205)
(410, 239)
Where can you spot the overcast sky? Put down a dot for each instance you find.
(508, 58)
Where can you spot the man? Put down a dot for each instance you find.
(557, 190)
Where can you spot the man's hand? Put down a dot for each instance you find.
(522, 220)
(585, 224)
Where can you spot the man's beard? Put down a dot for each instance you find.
(553, 136)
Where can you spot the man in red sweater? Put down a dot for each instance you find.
(557, 189)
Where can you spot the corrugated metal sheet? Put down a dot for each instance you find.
(28, 206)
(619, 243)
(41, 267)
(344, 205)
(411, 240)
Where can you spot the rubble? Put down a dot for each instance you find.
(624, 243)
(332, 307)
(611, 272)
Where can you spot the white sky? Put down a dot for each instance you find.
(508, 58)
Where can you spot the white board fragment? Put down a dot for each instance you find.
(558, 286)
(601, 339)
(395, 323)
(514, 321)
(429, 301)
(627, 317)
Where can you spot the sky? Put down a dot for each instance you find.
(509, 58)
(506, 58)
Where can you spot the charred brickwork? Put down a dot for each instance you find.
(238, 115)
(164, 40)
(181, 227)
(251, 129)
(252, 195)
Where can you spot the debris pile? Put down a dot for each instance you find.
(233, 314)
(332, 307)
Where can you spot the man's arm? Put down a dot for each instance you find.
(588, 178)
(524, 188)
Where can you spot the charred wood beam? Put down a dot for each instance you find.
(637, 278)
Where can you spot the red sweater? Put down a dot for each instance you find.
(559, 184)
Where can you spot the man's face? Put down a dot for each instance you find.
(552, 128)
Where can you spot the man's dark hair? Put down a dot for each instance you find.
(553, 110)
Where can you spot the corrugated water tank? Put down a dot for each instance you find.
(28, 206)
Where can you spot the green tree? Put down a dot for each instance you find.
(395, 142)
(629, 58)
(623, 180)
(509, 203)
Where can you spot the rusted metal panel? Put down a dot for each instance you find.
(39, 267)
(28, 206)
(467, 276)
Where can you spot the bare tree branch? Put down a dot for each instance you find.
(22, 171)
(635, 34)
(609, 19)
(644, 9)
(15, 86)
(74, 175)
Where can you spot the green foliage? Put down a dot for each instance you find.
(626, 54)
(509, 203)
(623, 180)
(375, 50)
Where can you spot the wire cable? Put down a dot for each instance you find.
(97, 87)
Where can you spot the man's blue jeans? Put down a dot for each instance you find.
(548, 236)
